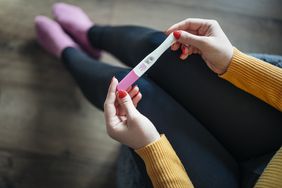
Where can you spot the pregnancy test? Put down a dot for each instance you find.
(145, 64)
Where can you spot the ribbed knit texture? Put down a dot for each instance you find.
(163, 166)
(256, 77)
(249, 74)
(272, 175)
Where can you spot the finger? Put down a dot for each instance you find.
(184, 53)
(190, 39)
(125, 102)
(137, 99)
(129, 89)
(183, 56)
(112, 91)
(134, 91)
(109, 105)
(192, 24)
(175, 46)
(190, 50)
(184, 49)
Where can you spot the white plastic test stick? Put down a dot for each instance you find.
(145, 64)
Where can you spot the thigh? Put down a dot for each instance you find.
(92, 76)
(245, 125)
(207, 162)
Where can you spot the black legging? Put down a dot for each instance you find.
(223, 136)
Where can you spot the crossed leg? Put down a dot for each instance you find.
(204, 158)
(246, 126)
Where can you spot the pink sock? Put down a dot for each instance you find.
(76, 23)
(51, 36)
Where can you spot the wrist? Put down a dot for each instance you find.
(229, 60)
(226, 61)
(153, 137)
(150, 141)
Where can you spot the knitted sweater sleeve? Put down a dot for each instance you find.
(163, 165)
(256, 77)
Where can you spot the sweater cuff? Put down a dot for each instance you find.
(163, 166)
(152, 150)
(239, 62)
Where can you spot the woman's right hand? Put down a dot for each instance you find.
(204, 37)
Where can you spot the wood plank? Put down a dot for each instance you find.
(30, 170)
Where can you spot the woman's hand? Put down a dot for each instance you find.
(124, 122)
(204, 37)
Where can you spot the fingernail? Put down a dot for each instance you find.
(176, 34)
(121, 94)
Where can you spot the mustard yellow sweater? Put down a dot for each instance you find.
(249, 74)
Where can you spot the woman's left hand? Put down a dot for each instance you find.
(124, 122)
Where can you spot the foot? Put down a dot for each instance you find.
(76, 23)
(51, 36)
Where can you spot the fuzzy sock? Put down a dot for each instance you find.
(76, 23)
(51, 36)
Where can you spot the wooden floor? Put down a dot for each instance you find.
(50, 136)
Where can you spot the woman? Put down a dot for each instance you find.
(223, 136)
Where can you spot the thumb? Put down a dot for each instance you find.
(125, 102)
(190, 39)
